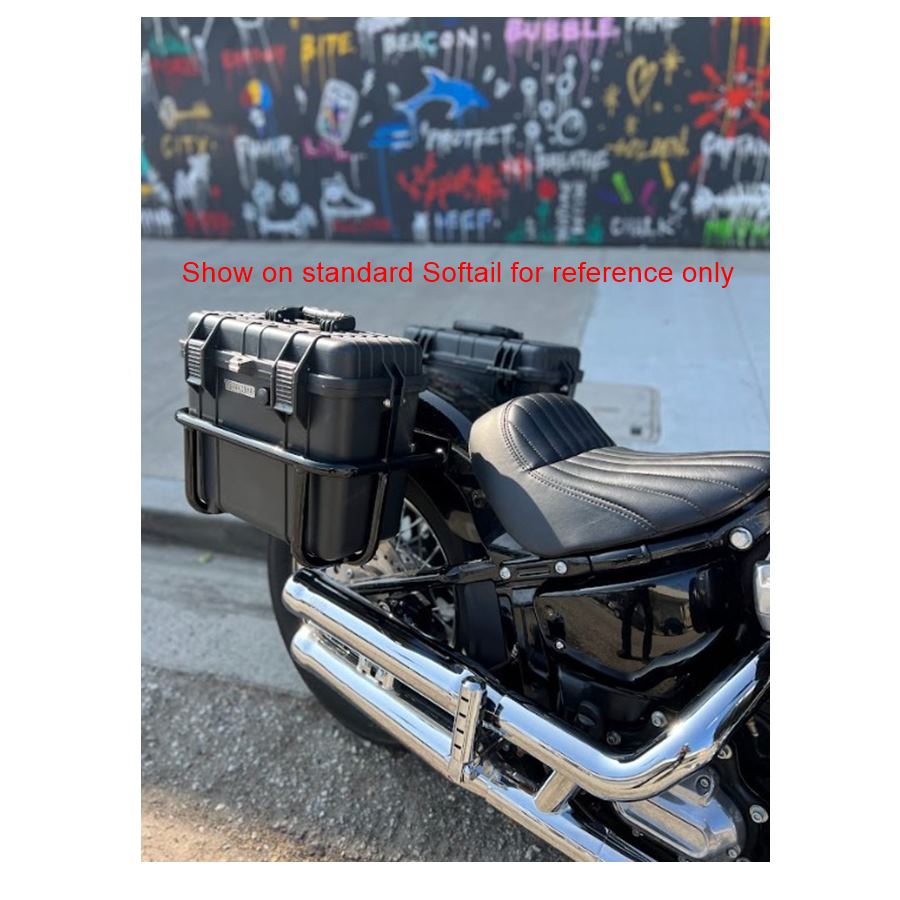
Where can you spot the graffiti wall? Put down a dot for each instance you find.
(615, 131)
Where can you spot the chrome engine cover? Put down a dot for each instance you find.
(695, 818)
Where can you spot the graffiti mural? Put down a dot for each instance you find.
(597, 131)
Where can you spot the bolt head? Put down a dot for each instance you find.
(758, 814)
(560, 645)
(725, 753)
(740, 539)
(505, 574)
(734, 852)
(658, 719)
(613, 738)
(560, 567)
(703, 784)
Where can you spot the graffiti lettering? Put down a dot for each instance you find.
(587, 162)
(369, 225)
(462, 224)
(427, 44)
(245, 59)
(643, 228)
(740, 201)
(517, 168)
(447, 140)
(209, 223)
(740, 233)
(367, 28)
(649, 25)
(174, 69)
(468, 182)
(744, 148)
(175, 146)
(249, 152)
(570, 210)
(322, 149)
(673, 146)
(520, 33)
(324, 49)
(157, 222)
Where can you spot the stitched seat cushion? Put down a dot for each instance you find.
(559, 485)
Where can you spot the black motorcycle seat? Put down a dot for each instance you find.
(559, 485)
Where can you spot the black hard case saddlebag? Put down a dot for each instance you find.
(300, 380)
(477, 366)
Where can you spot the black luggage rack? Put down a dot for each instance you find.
(303, 467)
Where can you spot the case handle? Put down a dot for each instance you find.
(471, 327)
(326, 319)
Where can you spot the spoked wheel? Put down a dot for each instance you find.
(424, 541)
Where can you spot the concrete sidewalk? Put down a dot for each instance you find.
(667, 367)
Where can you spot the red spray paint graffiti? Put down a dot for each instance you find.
(733, 103)
(479, 183)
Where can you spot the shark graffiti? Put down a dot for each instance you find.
(459, 96)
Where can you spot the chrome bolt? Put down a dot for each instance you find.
(703, 784)
(658, 719)
(386, 403)
(560, 567)
(758, 814)
(613, 738)
(734, 852)
(740, 539)
(514, 652)
(549, 613)
(725, 753)
(560, 645)
(504, 573)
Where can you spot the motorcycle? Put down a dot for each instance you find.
(574, 631)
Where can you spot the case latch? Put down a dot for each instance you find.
(193, 362)
(283, 395)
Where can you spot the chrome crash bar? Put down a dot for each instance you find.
(377, 664)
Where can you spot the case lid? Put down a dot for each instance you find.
(486, 351)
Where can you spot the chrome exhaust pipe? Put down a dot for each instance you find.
(376, 664)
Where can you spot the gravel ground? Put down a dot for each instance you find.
(240, 768)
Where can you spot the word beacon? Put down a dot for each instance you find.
(464, 272)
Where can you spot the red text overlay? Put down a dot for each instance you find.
(464, 272)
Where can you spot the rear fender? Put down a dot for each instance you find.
(455, 489)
